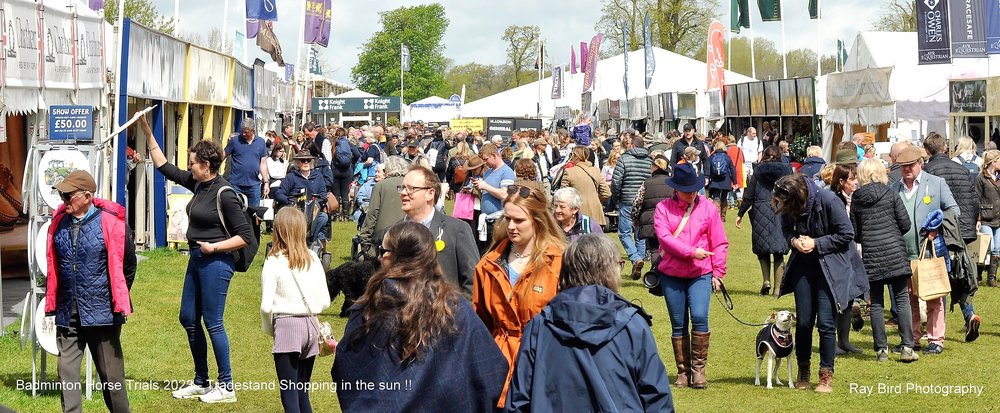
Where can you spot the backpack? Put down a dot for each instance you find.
(342, 155)
(243, 257)
(719, 167)
(970, 165)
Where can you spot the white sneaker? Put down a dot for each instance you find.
(219, 395)
(190, 391)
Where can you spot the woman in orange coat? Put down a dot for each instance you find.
(520, 273)
(736, 154)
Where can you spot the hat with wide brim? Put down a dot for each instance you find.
(303, 155)
(473, 163)
(909, 155)
(686, 179)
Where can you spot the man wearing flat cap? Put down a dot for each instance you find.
(922, 194)
(91, 264)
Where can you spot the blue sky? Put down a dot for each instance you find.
(477, 25)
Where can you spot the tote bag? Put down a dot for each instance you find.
(464, 204)
(930, 276)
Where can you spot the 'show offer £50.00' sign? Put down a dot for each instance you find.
(71, 123)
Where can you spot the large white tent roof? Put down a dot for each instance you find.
(674, 73)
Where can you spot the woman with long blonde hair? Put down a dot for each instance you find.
(519, 274)
(988, 188)
(293, 292)
(412, 326)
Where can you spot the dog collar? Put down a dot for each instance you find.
(781, 338)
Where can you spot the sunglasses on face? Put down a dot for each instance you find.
(520, 190)
(380, 250)
(68, 196)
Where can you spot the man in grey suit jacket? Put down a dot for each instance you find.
(456, 247)
(922, 193)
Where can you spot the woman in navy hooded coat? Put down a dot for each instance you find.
(589, 350)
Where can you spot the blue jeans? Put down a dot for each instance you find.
(995, 243)
(684, 295)
(814, 307)
(252, 192)
(204, 298)
(634, 248)
(320, 228)
(899, 291)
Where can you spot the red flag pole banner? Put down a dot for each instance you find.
(716, 56)
(592, 54)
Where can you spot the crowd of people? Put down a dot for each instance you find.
(511, 300)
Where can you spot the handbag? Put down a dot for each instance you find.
(327, 344)
(930, 275)
(464, 206)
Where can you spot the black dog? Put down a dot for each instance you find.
(349, 278)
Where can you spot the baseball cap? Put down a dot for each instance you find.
(78, 180)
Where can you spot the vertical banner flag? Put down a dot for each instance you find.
(317, 29)
(813, 9)
(314, 66)
(253, 26)
(262, 10)
(968, 31)
(404, 57)
(592, 54)
(770, 10)
(933, 43)
(625, 54)
(715, 49)
(583, 57)
(572, 60)
(648, 46)
(739, 15)
(558, 90)
(540, 59)
(843, 53)
(289, 72)
(991, 15)
(96, 5)
(239, 49)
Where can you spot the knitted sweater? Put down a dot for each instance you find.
(281, 297)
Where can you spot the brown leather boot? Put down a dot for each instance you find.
(825, 381)
(699, 357)
(991, 271)
(723, 208)
(803, 382)
(682, 346)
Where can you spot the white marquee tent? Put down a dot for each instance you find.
(674, 73)
(920, 91)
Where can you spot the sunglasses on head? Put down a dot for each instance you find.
(520, 190)
(781, 192)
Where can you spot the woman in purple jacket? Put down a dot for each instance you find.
(693, 247)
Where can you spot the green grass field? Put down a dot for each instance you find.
(157, 353)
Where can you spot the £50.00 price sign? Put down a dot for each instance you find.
(71, 122)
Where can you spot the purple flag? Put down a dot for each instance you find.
(317, 23)
(96, 5)
(591, 63)
(583, 57)
(572, 60)
(253, 26)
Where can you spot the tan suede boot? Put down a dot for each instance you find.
(825, 381)
(682, 347)
(699, 358)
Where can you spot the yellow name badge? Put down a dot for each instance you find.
(439, 244)
(927, 199)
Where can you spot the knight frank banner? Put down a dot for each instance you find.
(968, 29)
(933, 45)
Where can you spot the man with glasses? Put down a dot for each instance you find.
(494, 189)
(249, 163)
(456, 247)
(91, 265)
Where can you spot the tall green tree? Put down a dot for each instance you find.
(522, 51)
(677, 25)
(142, 12)
(421, 29)
(480, 80)
(897, 16)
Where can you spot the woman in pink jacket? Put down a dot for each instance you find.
(693, 247)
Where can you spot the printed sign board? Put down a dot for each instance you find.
(71, 122)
